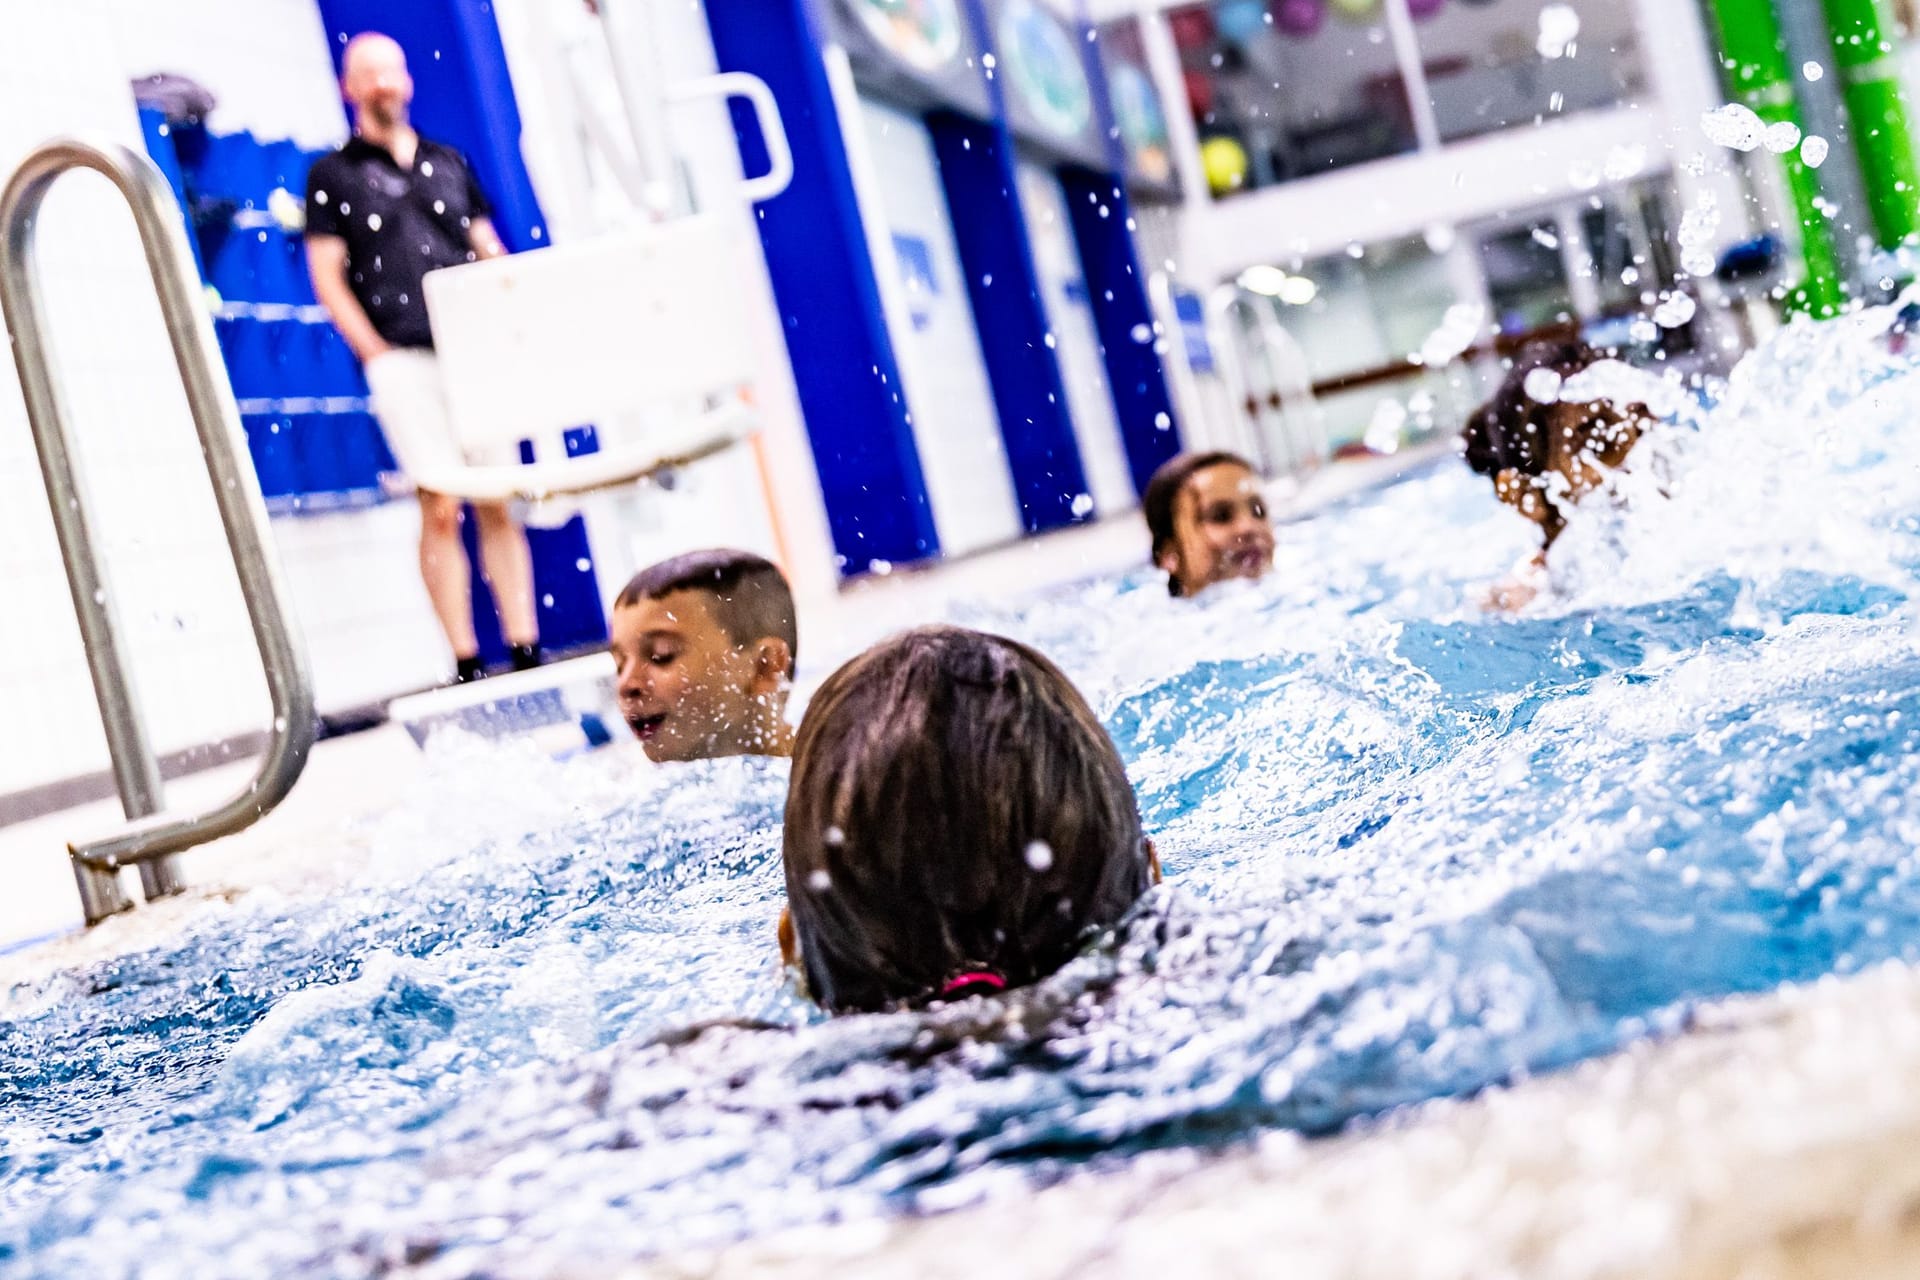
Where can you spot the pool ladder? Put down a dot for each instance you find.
(151, 838)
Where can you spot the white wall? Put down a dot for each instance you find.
(265, 60)
(59, 73)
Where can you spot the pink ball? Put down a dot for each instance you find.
(1424, 9)
(1300, 18)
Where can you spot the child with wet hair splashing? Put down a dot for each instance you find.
(1545, 453)
(958, 823)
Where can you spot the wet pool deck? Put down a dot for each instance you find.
(1779, 1137)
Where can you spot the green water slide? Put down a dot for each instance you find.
(1755, 59)
(1865, 56)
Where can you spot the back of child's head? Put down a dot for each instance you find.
(1543, 452)
(1160, 503)
(1509, 432)
(957, 821)
(748, 595)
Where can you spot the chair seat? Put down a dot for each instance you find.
(617, 463)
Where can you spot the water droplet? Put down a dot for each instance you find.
(1675, 311)
(583, 564)
(1734, 126)
(820, 882)
(373, 222)
(834, 837)
(1083, 504)
(1040, 855)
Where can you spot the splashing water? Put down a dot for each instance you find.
(1412, 851)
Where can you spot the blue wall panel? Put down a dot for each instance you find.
(977, 170)
(829, 299)
(1098, 206)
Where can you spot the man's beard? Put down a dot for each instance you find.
(387, 115)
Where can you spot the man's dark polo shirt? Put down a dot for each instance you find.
(399, 224)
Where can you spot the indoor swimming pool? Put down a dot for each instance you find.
(1413, 850)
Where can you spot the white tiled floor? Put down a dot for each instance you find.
(306, 840)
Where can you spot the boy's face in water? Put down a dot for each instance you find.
(1221, 529)
(687, 690)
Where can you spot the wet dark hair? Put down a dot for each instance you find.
(957, 820)
(1512, 430)
(751, 598)
(1163, 494)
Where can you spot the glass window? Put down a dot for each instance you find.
(1287, 90)
(1495, 64)
(1358, 324)
(1527, 277)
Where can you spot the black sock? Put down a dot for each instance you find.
(467, 670)
(525, 656)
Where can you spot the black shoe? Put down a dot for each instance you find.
(467, 670)
(526, 657)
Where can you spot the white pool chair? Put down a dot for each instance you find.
(643, 334)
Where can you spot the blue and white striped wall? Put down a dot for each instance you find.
(974, 353)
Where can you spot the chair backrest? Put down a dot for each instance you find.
(596, 332)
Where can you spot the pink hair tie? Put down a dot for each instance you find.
(980, 978)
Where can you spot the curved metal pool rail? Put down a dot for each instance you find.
(151, 837)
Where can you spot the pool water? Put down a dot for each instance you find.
(1413, 850)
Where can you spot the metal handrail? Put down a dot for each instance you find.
(151, 837)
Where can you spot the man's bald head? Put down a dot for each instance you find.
(374, 78)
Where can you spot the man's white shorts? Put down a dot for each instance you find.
(412, 408)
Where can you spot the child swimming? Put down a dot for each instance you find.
(703, 645)
(1209, 522)
(958, 823)
(1544, 453)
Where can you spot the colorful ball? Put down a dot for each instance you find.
(1241, 20)
(1301, 19)
(1225, 163)
(1357, 10)
(1424, 9)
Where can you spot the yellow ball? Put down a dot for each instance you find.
(1225, 163)
(1357, 10)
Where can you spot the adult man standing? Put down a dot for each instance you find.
(382, 211)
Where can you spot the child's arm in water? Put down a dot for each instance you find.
(1523, 583)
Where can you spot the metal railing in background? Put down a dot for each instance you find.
(151, 837)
